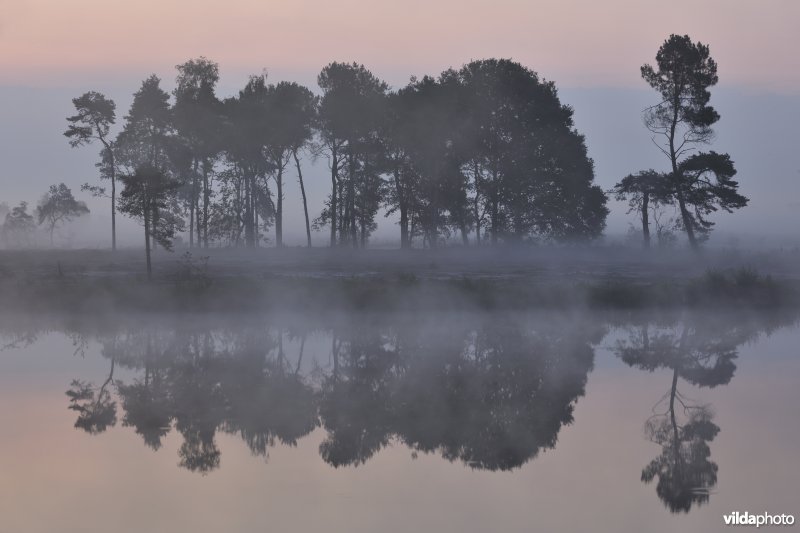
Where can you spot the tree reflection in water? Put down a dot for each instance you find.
(701, 350)
(491, 394)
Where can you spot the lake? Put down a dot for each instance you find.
(561, 421)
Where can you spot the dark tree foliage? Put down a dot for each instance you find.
(350, 113)
(530, 169)
(18, 225)
(291, 111)
(244, 183)
(644, 191)
(700, 183)
(487, 150)
(58, 206)
(149, 195)
(197, 115)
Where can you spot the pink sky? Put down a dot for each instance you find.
(575, 43)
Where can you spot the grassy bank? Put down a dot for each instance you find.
(193, 289)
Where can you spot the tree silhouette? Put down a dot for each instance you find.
(197, 119)
(58, 206)
(95, 115)
(18, 225)
(701, 351)
(350, 113)
(702, 182)
(148, 194)
(95, 406)
(291, 109)
(643, 190)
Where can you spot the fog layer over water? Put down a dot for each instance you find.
(449, 422)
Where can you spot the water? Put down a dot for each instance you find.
(516, 422)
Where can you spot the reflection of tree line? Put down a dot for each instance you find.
(701, 352)
(491, 397)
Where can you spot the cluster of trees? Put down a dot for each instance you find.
(486, 151)
(56, 208)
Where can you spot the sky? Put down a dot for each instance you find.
(51, 51)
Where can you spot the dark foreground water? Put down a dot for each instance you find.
(446, 423)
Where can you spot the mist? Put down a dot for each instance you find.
(452, 267)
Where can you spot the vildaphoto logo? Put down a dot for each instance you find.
(764, 519)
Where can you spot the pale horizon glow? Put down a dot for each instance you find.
(50, 43)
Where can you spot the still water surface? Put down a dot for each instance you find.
(462, 423)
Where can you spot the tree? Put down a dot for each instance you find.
(643, 191)
(197, 113)
(245, 184)
(18, 225)
(95, 116)
(291, 110)
(350, 112)
(531, 171)
(59, 206)
(149, 194)
(683, 74)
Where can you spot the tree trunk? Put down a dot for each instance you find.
(676, 178)
(334, 206)
(477, 204)
(303, 192)
(206, 199)
(147, 237)
(113, 206)
(279, 211)
(248, 212)
(351, 198)
(645, 219)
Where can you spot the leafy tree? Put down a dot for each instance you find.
(532, 174)
(59, 206)
(197, 117)
(147, 135)
(95, 116)
(245, 183)
(149, 195)
(18, 225)
(643, 191)
(148, 125)
(291, 111)
(350, 112)
(683, 120)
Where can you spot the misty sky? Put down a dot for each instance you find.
(52, 50)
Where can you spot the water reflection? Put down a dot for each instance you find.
(490, 394)
(700, 350)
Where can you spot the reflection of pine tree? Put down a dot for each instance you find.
(685, 473)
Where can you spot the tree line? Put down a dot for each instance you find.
(485, 154)
(487, 150)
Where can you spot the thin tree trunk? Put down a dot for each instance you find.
(113, 206)
(303, 192)
(645, 219)
(279, 211)
(206, 201)
(685, 216)
(334, 185)
(476, 205)
(147, 237)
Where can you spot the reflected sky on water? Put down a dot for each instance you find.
(560, 422)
